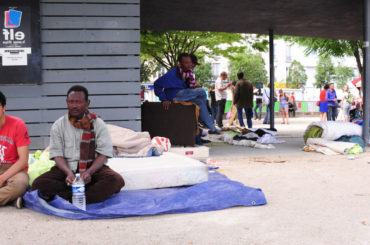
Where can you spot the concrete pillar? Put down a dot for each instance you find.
(366, 72)
(272, 78)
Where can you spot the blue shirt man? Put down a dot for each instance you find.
(173, 86)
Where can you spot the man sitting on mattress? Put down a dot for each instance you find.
(179, 84)
(79, 143)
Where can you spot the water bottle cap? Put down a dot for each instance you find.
(77, 175)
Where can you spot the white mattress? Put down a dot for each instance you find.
(168, 170)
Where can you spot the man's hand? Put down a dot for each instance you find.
(86, 177)
(70, 178)
(166, 104)
(335, 100)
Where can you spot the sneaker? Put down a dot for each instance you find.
(18, 203)
(214, 131)
(205, 141)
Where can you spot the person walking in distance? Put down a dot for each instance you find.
(221, 85)
(266, 100)
(323, 103)
(284, 106)
(258, 96)
(331, 98)
(243, 99)
(233, 109)
(214, 106)
(347, 102)
(292, 105)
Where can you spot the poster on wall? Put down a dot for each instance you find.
(20, 55)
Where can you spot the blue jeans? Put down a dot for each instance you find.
(249, 115)
(214, 110)
(332, 113)
(259, 114)
(199, 97)
(267, 116)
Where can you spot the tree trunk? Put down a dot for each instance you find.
(357, 55)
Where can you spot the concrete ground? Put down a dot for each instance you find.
(312, 199)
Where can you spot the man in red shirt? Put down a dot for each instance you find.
(14, 141)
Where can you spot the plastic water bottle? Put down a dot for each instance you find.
(78, 193)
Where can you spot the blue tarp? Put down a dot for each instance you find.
(217, 193)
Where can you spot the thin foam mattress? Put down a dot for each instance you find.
(167, 170)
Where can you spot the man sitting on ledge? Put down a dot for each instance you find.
(178, 84)
(79, 143)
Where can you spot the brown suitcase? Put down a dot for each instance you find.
(178, 123)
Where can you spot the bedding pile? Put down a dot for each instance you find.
(256, 138)
(333, 138)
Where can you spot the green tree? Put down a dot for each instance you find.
(331, 47)
(203, 73)
(252, 65)
(165, 46)
(297, 76)
(325, 72)
(148, 68)
(343, 74)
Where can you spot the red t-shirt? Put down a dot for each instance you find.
(13, 134)
(322, 95)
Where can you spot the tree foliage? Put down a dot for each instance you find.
(331, 47)
(325, 72)
(252, 65)
(148, 68)
(343, 74)
(203, 73)
(165, 46)
(297, 76)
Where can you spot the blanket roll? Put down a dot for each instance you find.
(332, 130)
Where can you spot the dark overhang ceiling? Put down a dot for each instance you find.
(339, 19)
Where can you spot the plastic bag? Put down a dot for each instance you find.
(228, 115)
(41, 164)
(162, 142)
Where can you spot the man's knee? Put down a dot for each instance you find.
(117, 181)
(16, 186)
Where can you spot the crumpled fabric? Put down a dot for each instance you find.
(355, 150)
(269, 139)
(353, 139)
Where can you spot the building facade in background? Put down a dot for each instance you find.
(92, 43)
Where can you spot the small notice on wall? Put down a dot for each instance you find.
(15, 56)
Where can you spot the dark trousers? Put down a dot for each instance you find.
(248, 114)
(214, 112)
(221, 111)
(332, 113)
(104, 183)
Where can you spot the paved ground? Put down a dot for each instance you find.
(312, 199)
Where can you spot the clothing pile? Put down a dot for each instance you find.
(256, 138)
(129, 143)
(333, 138)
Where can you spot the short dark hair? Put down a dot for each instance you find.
(194, 59)
(326, 86)
(79, 88)
(2, 99)
(181, 56)
(240, 75)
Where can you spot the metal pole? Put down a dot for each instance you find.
(272, 78)
(366, 73)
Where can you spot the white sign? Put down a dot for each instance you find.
(14, 56)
